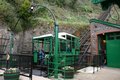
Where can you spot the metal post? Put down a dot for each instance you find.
(11, 43)
(56, 30)
(56, 50)
(11, 48)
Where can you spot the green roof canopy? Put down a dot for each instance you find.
(106, 3)
(105, 23)
(97, 1)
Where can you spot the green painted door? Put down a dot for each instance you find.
(113, 50)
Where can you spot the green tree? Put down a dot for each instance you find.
(25, 15)
(13, 10)
(8, 14)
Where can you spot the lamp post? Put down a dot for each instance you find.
(12, 38)
(8, 54)
(56, 30)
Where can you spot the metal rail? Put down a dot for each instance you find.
(21, 61)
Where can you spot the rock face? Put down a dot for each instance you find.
(23, 40)
(4, 37)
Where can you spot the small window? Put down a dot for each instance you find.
(117, 37)
(111, 36)
(68, 37)
(63, 36)
(118, 33)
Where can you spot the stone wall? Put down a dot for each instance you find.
(40, 30)
(22, 41)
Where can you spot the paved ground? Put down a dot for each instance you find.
(104, 74)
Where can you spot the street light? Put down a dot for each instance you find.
(12, 39)
(56, 30)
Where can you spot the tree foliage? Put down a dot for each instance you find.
(7, 12)
(25, 14)
(14, 10)
(64, 3)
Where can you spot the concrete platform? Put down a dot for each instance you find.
(104, 74)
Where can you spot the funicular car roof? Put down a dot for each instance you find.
(61, 35)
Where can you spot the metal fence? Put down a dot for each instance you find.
(21, 61)
(91, 60)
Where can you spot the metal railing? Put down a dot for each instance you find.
(90, 60)
(21, 61)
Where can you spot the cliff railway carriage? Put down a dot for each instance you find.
(43, 51)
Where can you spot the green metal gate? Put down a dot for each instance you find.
(113, 49)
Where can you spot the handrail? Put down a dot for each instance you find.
(82, 42)
(29, 55)
(84, 54)
(84, 35)
(104, 15)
